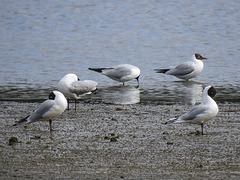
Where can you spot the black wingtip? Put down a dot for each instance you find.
(96, 69)
(161, 70)
(171, 120)
(24, 120)
(99, 69)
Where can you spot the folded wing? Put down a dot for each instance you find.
(83, 87)
(182, 69)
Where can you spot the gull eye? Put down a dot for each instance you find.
(198, 56)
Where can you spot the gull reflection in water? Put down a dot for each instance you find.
(121, 95)
(193, 92)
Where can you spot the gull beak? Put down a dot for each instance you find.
(138, 80)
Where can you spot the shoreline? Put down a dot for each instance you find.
(102, 141)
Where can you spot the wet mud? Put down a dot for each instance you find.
(106, 141)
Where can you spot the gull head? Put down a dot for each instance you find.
(199, 57)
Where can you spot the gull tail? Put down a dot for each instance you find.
(22, 121)
(161, 70)
(99, 69)
(96, 69)
(171, 120)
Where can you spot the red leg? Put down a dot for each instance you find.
(50, 124)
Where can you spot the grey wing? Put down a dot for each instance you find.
(41, 110)
(118, 72)
(194, 113)
(82, 87)
(182, 69)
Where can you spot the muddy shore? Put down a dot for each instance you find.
(106, 141)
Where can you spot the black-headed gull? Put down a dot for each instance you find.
(73, 88)
(186, 70)
(49, 109)
(207, 110)
(121, 73)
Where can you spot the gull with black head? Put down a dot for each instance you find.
(200, 114)
(49, 109)
(186, 70)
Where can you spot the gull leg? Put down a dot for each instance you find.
(68, 104)
(50, 124)
(75, 105)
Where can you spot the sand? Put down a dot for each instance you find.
(106, 141)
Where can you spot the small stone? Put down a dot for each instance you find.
(12, 141)
(106, 137)
(197, 133)
(113, 139)
(35, 137)
(48, 147)
(120, 109)
(114, 119)
(169, 143)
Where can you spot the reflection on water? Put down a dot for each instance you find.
(193, 91)
(121, 95)
(187, 92)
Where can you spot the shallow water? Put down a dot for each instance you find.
(41, 41)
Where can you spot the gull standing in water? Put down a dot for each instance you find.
(121, 73)
(186, 70)
(201, 113)
(71, 86)
(49, 109)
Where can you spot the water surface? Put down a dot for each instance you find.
(41, 41)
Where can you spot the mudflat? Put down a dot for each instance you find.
(106, 141)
